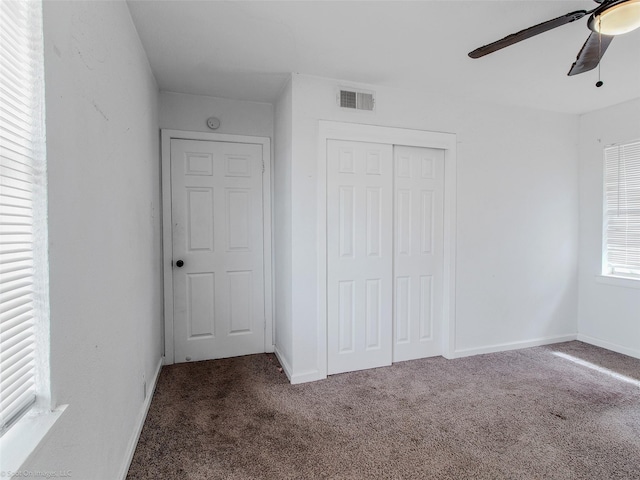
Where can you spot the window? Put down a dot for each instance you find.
(621, 243)
(23, 238)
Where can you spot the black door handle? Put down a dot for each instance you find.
(179, 263)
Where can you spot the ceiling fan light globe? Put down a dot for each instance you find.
(620, 18)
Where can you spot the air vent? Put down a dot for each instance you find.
(356, 100)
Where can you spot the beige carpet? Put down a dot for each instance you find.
(553, 412)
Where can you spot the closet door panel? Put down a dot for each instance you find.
(418, 252)
(359, 255)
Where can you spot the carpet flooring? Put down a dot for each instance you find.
(564, 411)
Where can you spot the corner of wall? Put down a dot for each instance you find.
(607, 312)
(282, 205)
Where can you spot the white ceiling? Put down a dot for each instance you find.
(245, 50)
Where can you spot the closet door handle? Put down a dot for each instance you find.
(179, 263)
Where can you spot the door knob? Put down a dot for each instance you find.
(179, 263)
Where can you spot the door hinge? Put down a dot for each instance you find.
(262, 166)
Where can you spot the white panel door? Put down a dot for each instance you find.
(218, 280)
(359, 255)
(419, 252)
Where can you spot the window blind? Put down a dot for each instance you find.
(622, 209)
(21, 167)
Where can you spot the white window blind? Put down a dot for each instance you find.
(622, 210)
(21, 190)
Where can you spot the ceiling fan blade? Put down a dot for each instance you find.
(590, 53)
(528, 33)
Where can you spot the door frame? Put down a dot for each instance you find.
(167, 237)
(330, 130)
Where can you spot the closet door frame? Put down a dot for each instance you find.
(329, 130)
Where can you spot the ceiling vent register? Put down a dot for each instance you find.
(356, 100)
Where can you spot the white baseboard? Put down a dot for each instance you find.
(503, 347)
(631, 352)
(303, 377)
(133, 442)
(283, 362)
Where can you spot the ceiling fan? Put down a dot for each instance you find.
(610, 18)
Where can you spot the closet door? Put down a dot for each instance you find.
(419, 252)
(359, 255)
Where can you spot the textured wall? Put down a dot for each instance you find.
(609, 313)
(104, 235)
(517, 213)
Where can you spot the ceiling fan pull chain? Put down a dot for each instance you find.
(599, 83)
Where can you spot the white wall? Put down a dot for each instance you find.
(181, 111)
(282, 227)
(517, 215)
(609, 312)
(104, 235)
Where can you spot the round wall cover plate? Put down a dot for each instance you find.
(213, 123)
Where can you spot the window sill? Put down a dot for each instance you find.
(624, 282)
(23, 438)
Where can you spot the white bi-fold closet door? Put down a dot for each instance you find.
(384, 254)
